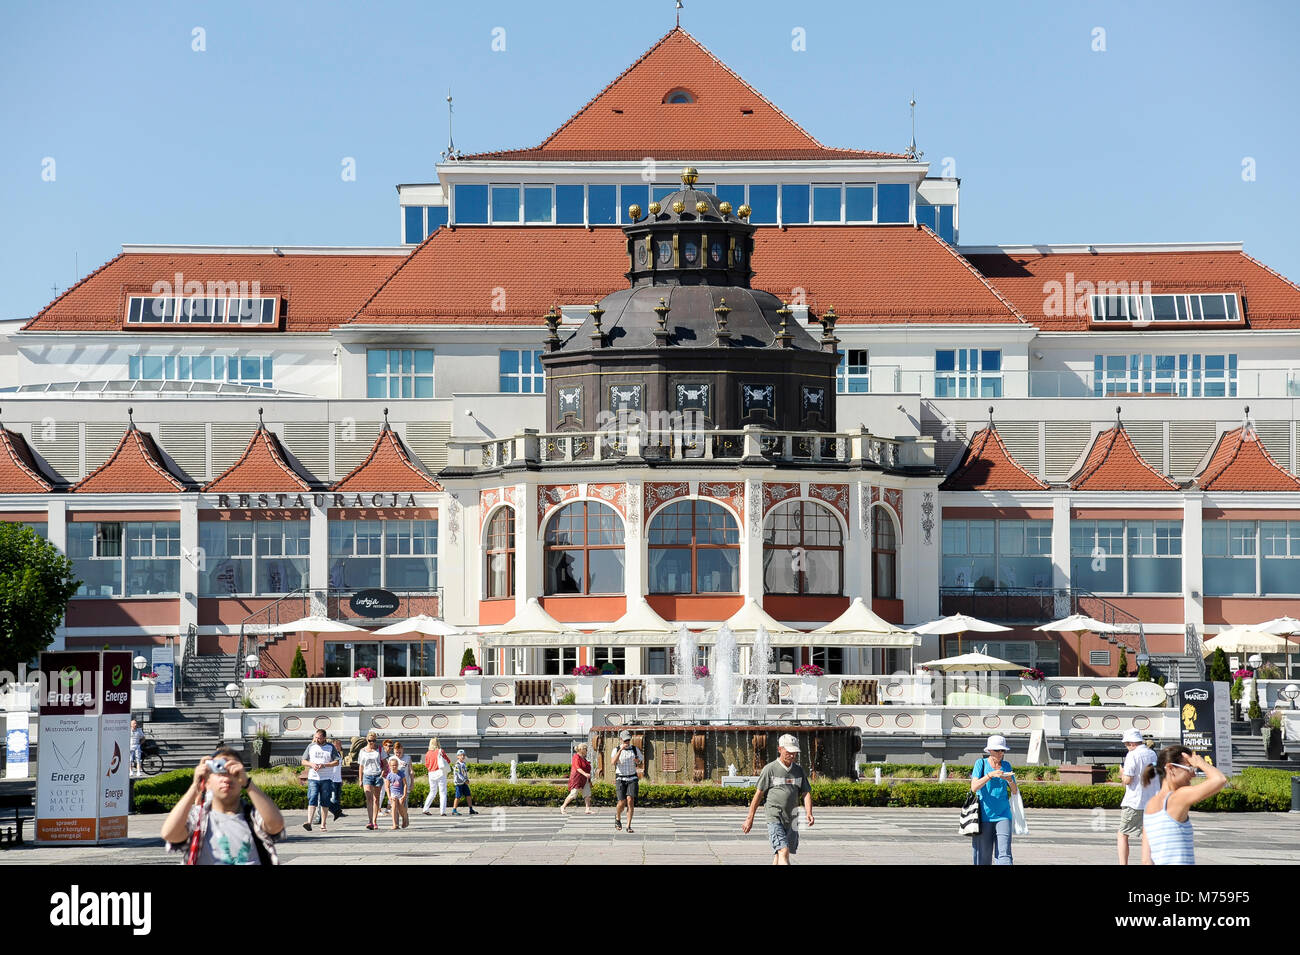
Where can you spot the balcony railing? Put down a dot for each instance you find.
(1242, 383)
(1033, 606)
(857, 448)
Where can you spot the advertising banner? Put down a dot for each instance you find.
(67, 807)
(164, 690)
(17, 743)
(114, 745)
(1206, 722)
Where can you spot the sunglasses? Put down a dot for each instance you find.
(1182, 766)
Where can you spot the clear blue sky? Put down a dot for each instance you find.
(242, 143)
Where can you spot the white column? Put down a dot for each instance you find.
(1193, 572)
(751, 549)
(56, 532)
(1061, 542)
(318, 568)
(528, 550)
(918, 566)
(191, 561)
(857, 547)
(636, 569)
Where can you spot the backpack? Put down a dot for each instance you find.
(263, 856)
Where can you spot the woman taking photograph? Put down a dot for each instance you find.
(993, 782)
(437, 762)
(371, 767)
(1166, 824)
(579, 778)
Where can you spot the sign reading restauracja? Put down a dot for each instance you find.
(392, 499)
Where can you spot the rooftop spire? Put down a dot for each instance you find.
(912, 152)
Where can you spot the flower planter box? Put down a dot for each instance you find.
(1083, 775)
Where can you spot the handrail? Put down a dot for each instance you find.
(1041, 604)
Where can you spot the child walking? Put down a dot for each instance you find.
(395, 784)
(460, 769)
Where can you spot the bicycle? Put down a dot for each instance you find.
(151, 761)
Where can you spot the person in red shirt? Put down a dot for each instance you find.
(579, 778)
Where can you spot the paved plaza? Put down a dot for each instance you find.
(534, 836)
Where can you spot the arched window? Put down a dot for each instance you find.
(694, 548)
(679, 95)
(499, 573)
(803, 550)
(584, 550)
(884, 554)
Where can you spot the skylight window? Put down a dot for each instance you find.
(1205, 307)
(165, 310)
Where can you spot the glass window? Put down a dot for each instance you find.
(925, 215)
(968, 373)
(537, 203)
(762, 203)
(947, 224)
(826, 203)
(283, 553)
(134, 559)
(437, 216)
(884, 555)
(226, 567)
(399, 373)
(521, 372)
(499, 574)
(505, 204)
(568, 205)
(803, 550)
(471, 204)
(733, 194)
(559, 661)
(794, 203)
(414, 219)
(338, 660)
(583, 550)
(854, 372)
(859, 203)
(602, 205)
(894, 200)
(627, 195)
(694, 547)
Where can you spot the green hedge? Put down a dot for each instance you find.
(1255, 790)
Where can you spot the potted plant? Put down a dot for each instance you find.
(1235, 694)
(701, 673)
(1255, 714)
(467, 665)
(1034, 683)
(1095, 701)
(262, 748)
(810, 669)
(1273, 735)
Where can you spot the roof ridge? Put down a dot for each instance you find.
(1271, 271)
(148, 450)
(6, 438)
(1117, 432)
(69, 290)
(974, 454)
(405, 260)
(272, 442)
(974, 271)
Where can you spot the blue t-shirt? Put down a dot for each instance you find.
(995, 795)
(397, 784)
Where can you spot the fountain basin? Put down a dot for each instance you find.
(702, 752)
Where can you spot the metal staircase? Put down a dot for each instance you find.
(193, 728)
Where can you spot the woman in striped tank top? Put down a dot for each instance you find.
(1167, 828)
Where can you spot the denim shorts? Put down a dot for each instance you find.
(462, 790)
(375, 781)
(319, 792)
(783, 838)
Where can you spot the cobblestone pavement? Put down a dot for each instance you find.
(534, 836)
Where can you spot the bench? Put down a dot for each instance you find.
(870, 690)
(533, 693)
(322, 696)
(17, 802)
(625, 692)
(402, 693)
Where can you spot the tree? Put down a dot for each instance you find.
(467, 659)
(1218, 672)
(1144, 673)
(298, 668)
(1122, 669)
(36, 582)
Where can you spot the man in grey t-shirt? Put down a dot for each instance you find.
(780, 786)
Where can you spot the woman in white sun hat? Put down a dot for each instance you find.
(993, 782)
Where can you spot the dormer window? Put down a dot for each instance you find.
(1148, 309)
(679, 96)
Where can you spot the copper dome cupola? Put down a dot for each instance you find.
(690, 334)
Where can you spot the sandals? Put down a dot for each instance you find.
(618, 823)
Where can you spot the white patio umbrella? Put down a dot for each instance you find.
(749, 618)
(971, 662)
(859, 626)
(1282, 626)
(531, 627)
(1247, 640)
(958, 623)
(1078, 624)
(423, 625)
(316, 625)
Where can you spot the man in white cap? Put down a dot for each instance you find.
(1136, 796)
(629, 763)
(780, 786)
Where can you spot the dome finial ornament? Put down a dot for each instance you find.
(597, 335)
(655, 208)
(720, 312)
(690, 175)
(661, 333)
(784, 338)
(744, 211)
(552, 320)
(701, 207)
(679, 207)
(724, 207)
(634, 212)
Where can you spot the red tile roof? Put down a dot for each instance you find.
(1271, 300)
(1241, 463)
(988, 466)
(1113, 464)
(317, 292)
(503, 275)
(136, 466)
(629, 119)
(19, 472)
(388, 467)
(263, 466)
